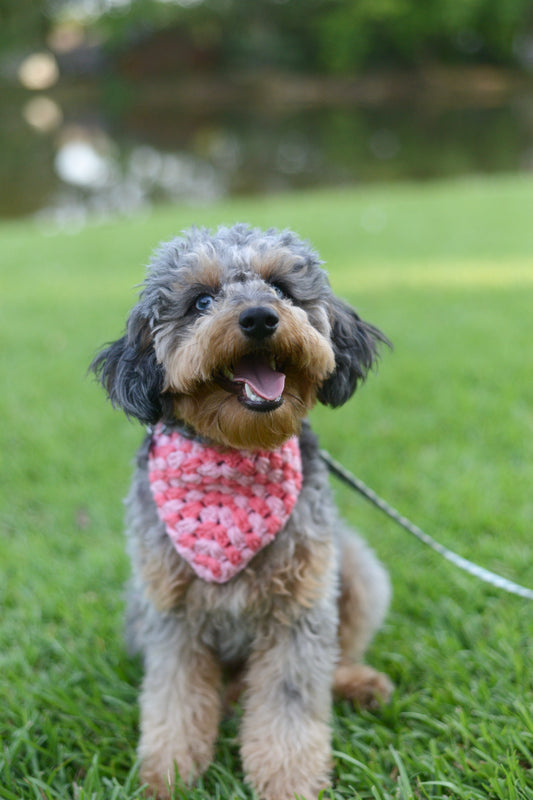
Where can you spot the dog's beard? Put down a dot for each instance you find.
(220, 416)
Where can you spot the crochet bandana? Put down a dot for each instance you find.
(220, 508)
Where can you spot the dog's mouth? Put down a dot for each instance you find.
(256, 382)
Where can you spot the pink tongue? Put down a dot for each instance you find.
(262, 379)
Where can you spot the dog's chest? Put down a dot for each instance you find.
(230, 636)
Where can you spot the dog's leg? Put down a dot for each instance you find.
(180, 711)
(363, 603)
(285, 730)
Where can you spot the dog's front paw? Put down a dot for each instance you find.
(293, 763)
(363, 685)
(180, 710)
(159, 783)
(277, 788)
(159, 770)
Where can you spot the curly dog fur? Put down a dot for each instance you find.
(292, 627)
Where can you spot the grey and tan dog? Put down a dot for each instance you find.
(235, 336)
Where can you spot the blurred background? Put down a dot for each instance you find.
(110, 106)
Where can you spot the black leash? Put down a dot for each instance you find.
(463, 563)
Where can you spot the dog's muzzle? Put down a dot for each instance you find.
(254, 378)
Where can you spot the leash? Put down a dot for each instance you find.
(463, 563)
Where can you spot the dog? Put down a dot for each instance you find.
(243, 575)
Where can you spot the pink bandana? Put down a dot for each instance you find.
(221, 507)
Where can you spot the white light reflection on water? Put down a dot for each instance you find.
(43, 114)
(38, 71)
(79, 163)
(99, 182)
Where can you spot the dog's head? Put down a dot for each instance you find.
(237, 334)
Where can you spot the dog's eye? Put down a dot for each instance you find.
(203, 302)
(280, 291)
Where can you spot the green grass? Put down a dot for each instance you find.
(444, 431)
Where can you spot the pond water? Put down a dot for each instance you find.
(79, 153)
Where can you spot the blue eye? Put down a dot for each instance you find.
(280, 291)
(203, 302)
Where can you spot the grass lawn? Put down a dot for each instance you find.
(444, 431)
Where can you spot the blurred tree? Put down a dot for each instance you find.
(353, 33)
(23, 23)
(337, 36)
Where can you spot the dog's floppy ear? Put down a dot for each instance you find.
(129, 372)
(355, 344)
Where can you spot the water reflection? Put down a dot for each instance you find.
(43, 114)
(100, 180)
(70, 156)
(79, 163)
(38, 71)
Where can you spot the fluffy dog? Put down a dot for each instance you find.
(243, 573)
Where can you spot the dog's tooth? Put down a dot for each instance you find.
(251, 395)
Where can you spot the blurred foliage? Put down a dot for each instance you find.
(337, 36)
(23, 23)
(334, 35)
(361, 31)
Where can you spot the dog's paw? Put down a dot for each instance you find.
(285, 786)
(294, 761)
(363, 685)
(162, 770)
(157, 785)
(278, 789)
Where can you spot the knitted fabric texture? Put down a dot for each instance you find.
(220, 508)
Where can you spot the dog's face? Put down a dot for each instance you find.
(237, 334)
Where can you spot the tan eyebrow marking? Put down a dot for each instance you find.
(276, 264)
(205, 271)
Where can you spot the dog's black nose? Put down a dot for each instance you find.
(258, 322)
